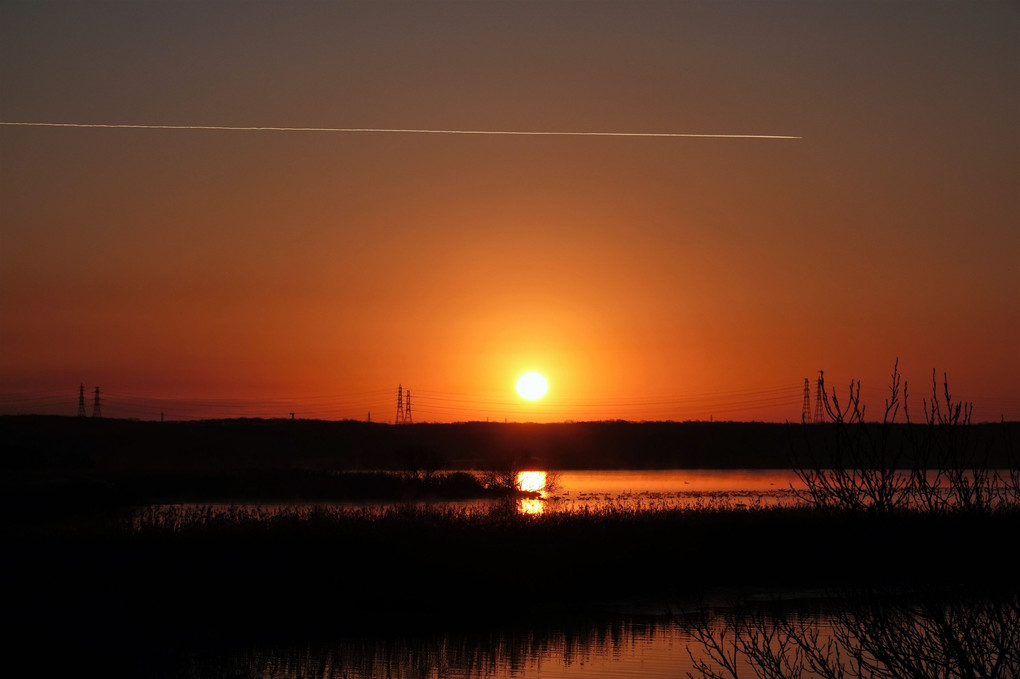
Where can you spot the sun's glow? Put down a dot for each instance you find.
(532, 386)
(531, 481)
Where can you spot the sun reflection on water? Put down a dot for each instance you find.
(533, 482)
(530, 506)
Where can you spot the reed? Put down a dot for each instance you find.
(252, 574)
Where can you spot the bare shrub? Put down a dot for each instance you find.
(861, 470)
(950, 472)
(937, 466)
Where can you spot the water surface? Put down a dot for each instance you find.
(559, 491)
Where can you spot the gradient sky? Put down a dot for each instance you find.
(228, 273)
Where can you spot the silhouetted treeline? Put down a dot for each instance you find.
(83, 444)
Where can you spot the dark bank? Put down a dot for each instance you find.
(81, 576)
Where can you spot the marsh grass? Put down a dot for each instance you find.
(243, 576)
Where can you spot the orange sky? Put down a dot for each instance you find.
(229, 273)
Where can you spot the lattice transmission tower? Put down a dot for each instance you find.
(805, 413)
(97, 409)
(407, 407)
(820, 398)
(400, 405)
(81, 401)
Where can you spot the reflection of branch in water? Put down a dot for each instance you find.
(761, 641)
(874, 635)
(719, 645)
(964, 637)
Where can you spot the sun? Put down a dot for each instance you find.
(532, 386)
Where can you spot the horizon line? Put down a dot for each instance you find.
(381, 130)
(263, 418)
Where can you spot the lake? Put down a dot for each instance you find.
(294, 629)
(636, 639)
(625, 647)
(575, 490)
(800, 636)
(558, 491)
(628, 640)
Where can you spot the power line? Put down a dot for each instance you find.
(447, 405)
(805, 412)
(382, 130)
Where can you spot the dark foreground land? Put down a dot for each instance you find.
(108, 592)
(79, 577)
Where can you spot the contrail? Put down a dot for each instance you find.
(380, 130)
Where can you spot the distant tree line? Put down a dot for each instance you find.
(109, 445)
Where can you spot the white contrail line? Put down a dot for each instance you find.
(520, 133)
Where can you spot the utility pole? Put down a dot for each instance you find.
(819, 399)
